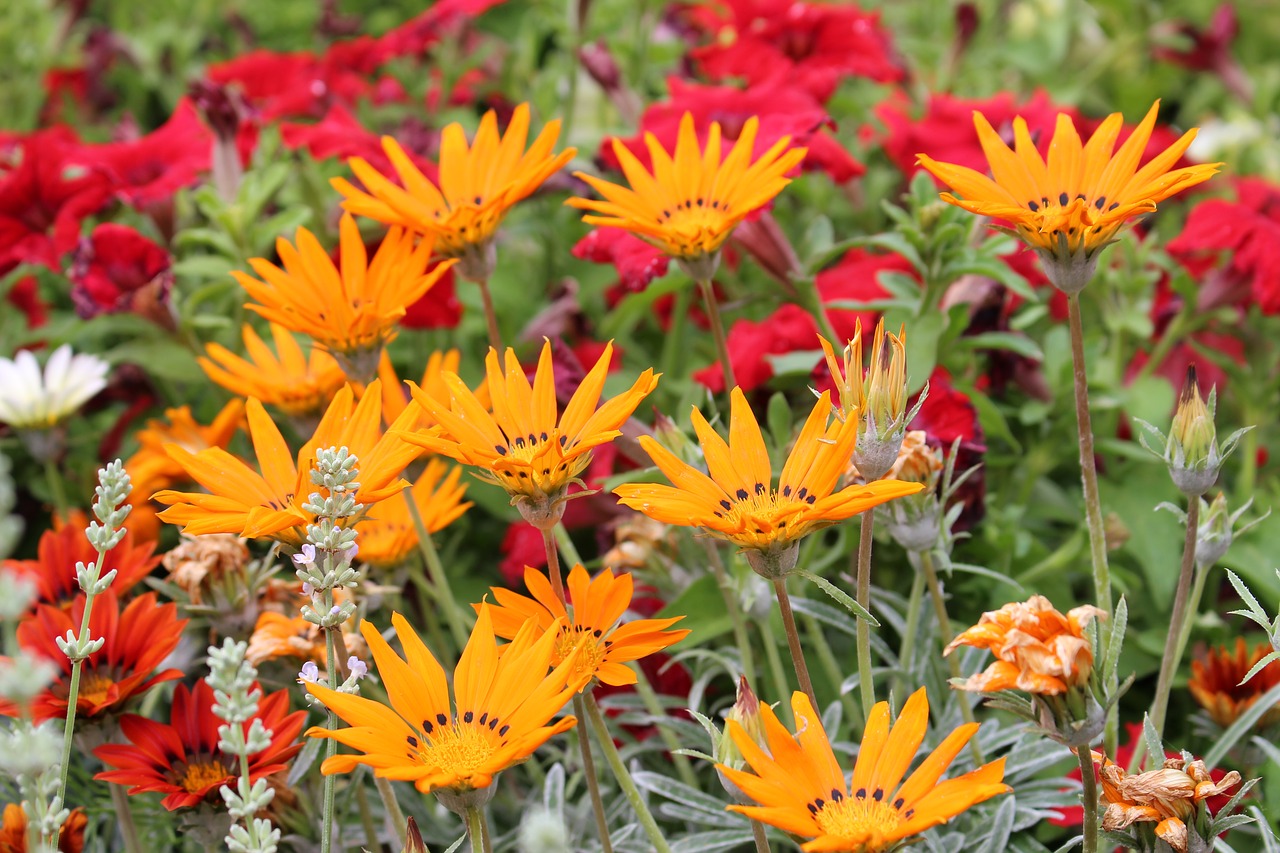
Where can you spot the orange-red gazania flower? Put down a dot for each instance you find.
(389, 534)
(269, 504)
(692, 200)
(1072, 204)
(136, 640)
(502, 704)
(802, 790)
(479, 184)
(1217, 682)
(182, 759)
(395, 396)
(13, 831)
(1168, 797)
(597, 605)
(54, 569)
(298, 385)
(1037, 649)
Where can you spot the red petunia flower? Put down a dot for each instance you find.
(636, 261)
(45, 197)
(25, 296)
(54, 569)
(282, 85)
(117, 269)
(438, 308)
(415, 36)
(946, 415)
(137, 640)
(783, 110)
(340, 134)
(182, 758)
(812, 45)
(153, 167)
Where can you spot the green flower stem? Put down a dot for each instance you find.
(866, 681)
(553, 564)
(793, 640)
(439, 578)
(1249, 452)
(57, 489)
(73, 694)
(1092, 501)
(1177, 622)
(478, 830)
(944, 633)
(593, 782)
(673, 359)
(830, 666)
(366, 819)
(1090, 798)
(907, 652)
(717, 333)
(653, 705)
(777, 673)
(491, 317)
(1193, 608)
(395, 816)
(623, 775)
(740, 637)
(331, 720)
(757, 835)
(811, 301)
(128, 831)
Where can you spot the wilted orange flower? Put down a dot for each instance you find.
(199, 560)
(1038, 650)
(597, 604)
(389, 534)
(13, 831)
(298, 385)
(280, 635)
(479, 184)
(269, 504)
(1169, 797)
(1216, 682)
(802, 790)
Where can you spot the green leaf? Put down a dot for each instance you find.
(841, 597)
(1015, 343)
(702, 605)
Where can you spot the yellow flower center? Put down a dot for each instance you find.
(460, 749)
(592, 653)
(859, 819)
(94, 687)
(768, 516)
(535, 465)
(200, 775)
(696, 226)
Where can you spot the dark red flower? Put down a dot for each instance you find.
(153, 167)
(636, 261)
(25, 296)
(340, 134)
(415, 36)
(182, 758)
(783, 110)
(281, 85)
(117, 269)
(812, 45)
(946, 416)
(45, 197)
(438, 308)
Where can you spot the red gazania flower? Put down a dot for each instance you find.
(137, 639)
(813, 45)
(181, 758)
(117, 269)
(13, 831)
(54, 569)
(783, 110)
(153, 167)
(44, 199)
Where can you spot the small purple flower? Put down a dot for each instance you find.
(359, 669)
(308, 589)
(350, 554)
(310, 673)
(307, 555)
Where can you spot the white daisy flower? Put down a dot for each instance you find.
(30, 401)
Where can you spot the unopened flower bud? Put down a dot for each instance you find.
(765, 241)
(745, 713)
(413, 842)
(1192, 448)
(915, 521)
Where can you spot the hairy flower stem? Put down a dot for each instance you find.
(128, 831)
(717, 333)
(1090, 798)
(366, 818)
(1193, 606)
(793, 639)
(623, 776)
(1092, 502)
(866, 681)
(908, 650)
(1172, 651)
(395, 816)
(439, 579)
(490, 316)
(553, 564)
(593, 782)
(944, 633)
(57, 490)
(330, 745)
(731, 607)
(757, 835)
(478, 830)
(73, 694)
(778, 674)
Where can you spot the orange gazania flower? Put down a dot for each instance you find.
(395, 398)
(499, 716)
(1073, 204)
(802, 790)
(597, 604)
(298, 385)
(521, 445)
(1169, 797)
(1037, 649)
(278, 635)
(738, 501)
(54, 569)
(389, 534)
(692, 200)
(182, 759)
(1216, 682)
(13, 831)
(479, 184)
(137, 640)
(350, 308)
(269, 504)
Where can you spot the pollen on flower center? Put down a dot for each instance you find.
(766, 510)
(94, 687)
(592, 653)
(857, 818)
(199, 775)
(460, 749)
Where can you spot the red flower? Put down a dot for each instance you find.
(25, 296)
(54, 569)
(438, 308)
(1210, 48)
(946, 415)
(415, 36)
(182, 758)
(340, 134)
(1244, 233)
(117, 269)
(137, 640)
(813, 45)
(44, 199)
(783, 110)
(637, 262)
(154, 167)
(290, 84)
